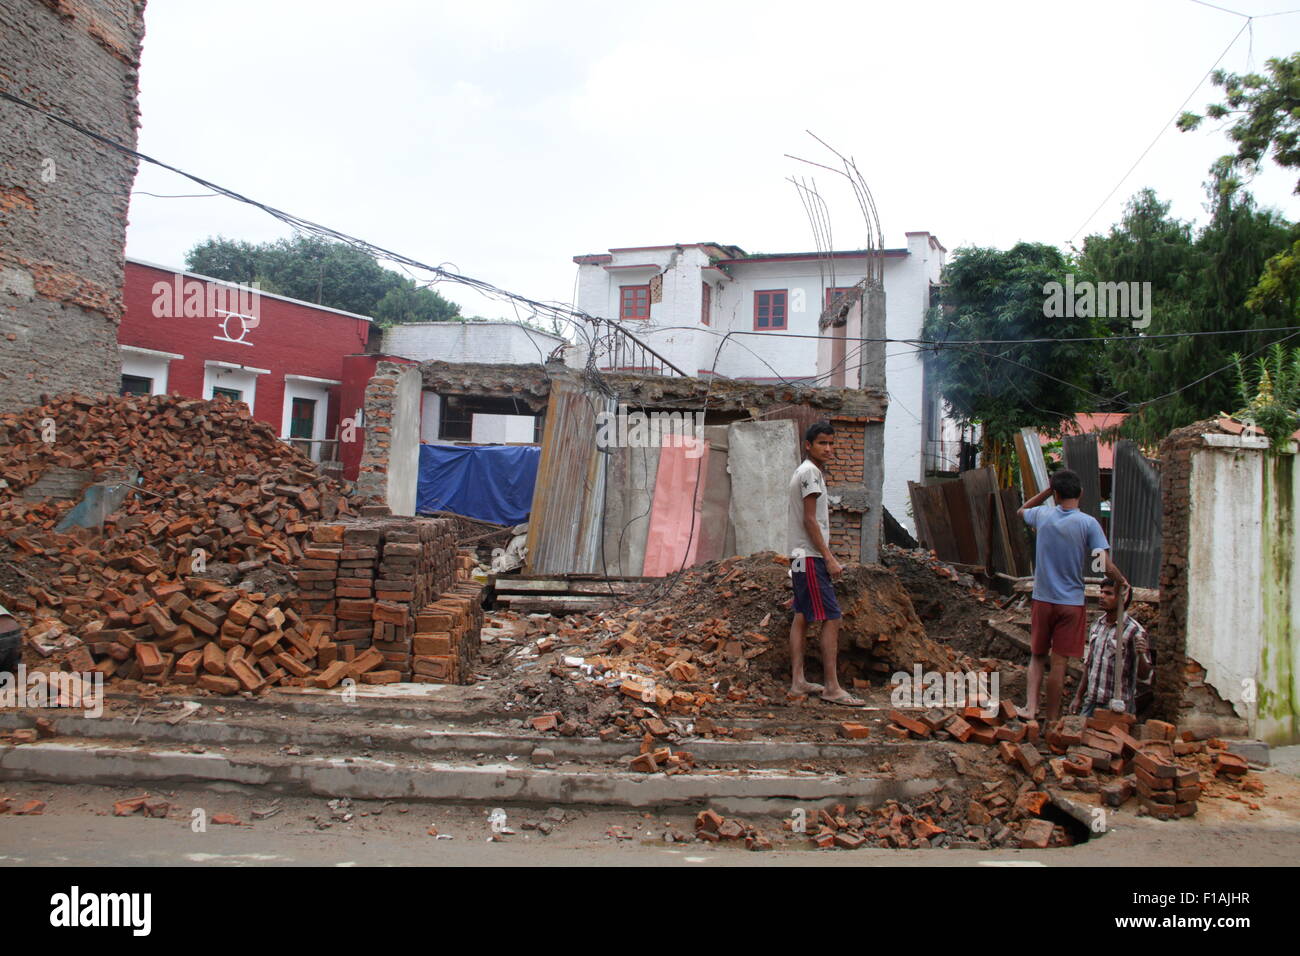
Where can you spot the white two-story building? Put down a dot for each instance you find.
(710, 308)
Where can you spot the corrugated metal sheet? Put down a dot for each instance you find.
(564, 528)
(1136, 515)
(1080, 454)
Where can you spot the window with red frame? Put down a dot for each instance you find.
(770, 309)
(706, 301)
(634, 302)
(834, 293)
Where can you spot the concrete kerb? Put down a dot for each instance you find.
(455, 702)
(366, 778)
(411, 739)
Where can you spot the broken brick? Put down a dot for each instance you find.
(1037, 835)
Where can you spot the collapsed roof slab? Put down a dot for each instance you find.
(531, 384)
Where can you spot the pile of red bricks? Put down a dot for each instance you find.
(446, 641)
(142, 600)
(222, 639)
(1142, 757)
(391, 584)
(712, 827)
(997, 813)
(362, 578)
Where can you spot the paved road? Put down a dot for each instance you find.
(77, 830)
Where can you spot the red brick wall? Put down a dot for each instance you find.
(357, 372)
(845, 467)
(289, 339)
(846, 535)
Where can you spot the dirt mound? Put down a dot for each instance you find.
(714, 642)
(951, 605)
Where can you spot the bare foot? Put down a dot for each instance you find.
(1024, 713)
(844, 698)
(803, 688)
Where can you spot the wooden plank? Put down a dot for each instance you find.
(943, 543)
(1141, 595)
(959, 520)
(979, 484)
(555, 603)
(506, 587)
(916, 492)
(1016, 532)
(998, 548)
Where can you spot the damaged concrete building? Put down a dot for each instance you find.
(637, 507)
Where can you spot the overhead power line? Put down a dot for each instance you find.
(1177, 113)
(583, 321)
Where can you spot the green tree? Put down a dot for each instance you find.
(988, 294)
(1200, 281)
(332, 274)
(1265, 117)
(413, 304)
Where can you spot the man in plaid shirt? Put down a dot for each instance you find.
(1098, 685)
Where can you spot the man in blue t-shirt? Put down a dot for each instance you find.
(1068, 539)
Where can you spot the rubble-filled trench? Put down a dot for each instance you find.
(700, 655)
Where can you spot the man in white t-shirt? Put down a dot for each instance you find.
(812, 567)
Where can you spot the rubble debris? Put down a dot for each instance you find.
(234, 566)
(1230, 763)
(714, 644)
(125, 808)
(712, 827)
(268, 811)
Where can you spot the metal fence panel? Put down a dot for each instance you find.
(1136, 515)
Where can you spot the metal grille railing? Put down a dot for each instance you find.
(616, 349)
(942, 455)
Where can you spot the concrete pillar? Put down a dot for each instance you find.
(872, 376)
(404, 453)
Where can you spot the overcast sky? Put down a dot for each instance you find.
(506, 137)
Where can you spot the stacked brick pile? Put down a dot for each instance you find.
(219, 495)
(446, 641)
(153, 598)
(390, 584)
(365, 577)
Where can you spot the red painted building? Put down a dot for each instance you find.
(186, 334)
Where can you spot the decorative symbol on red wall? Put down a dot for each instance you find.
(242, 325)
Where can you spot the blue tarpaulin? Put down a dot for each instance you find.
(489, 482)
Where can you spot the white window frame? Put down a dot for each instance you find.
(229, 375)
(316, 389)
(148, 363)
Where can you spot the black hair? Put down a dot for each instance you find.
(1066, 484)
(818, 428)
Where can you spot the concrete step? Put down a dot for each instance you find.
(391, 701)
(417, 777)
(351, 736)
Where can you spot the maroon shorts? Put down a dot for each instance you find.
(1060, 628)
